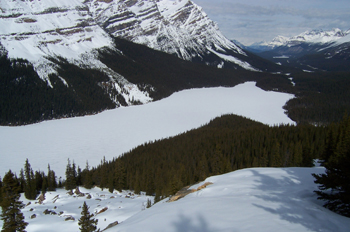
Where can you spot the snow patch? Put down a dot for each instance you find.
(235, 60)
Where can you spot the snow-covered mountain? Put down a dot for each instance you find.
(43, 31)
(312, 37)
(70, 57)
(178, 27)
(310, 51)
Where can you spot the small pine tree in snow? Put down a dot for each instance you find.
(86, 222)
(30, 184)
(11, 206)
(71, 175)
(149, 203)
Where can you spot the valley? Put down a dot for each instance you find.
(121, 104)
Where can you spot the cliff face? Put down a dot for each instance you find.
(177, 27)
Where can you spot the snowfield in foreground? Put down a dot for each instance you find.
(114, 132)
(247, 200)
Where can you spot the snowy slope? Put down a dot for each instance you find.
(177, 27)
(113, 132)
(120, 206)
(39, 31)
(249, 200)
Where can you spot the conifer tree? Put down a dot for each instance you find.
(44, 185)
(103, 174)
(111, 182)
(149, 203)
(39, 178)
(22, 181)
(337, 174)
(13, 219)
(30, 191)
(86, 222)
(298, 154)
(120, 175)
(51, 179)
(70, 176)
(87, 177)
(0, 191)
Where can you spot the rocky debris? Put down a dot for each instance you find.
(185, 191)
(69, 218)
(41, 198)
(55, 198)
(88, 196)
(204, 185)
(102, 210)
(51, 212)
(70, 192)
(111, 225)
(33, 216)
(78, 193)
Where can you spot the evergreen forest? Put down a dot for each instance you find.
(227, 143)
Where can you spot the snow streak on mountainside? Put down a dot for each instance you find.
(177, 27)
(40, 31)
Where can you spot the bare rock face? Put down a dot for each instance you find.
(102, 210)
(178, 27)
(111, 225)
(69, 218)
(41, 198)
(185, 191)
(78, 193)
(51, 212)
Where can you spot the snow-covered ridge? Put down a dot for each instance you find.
(249, 200)
(177, 27)
(314, 36)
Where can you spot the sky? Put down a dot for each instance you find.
(251, 21)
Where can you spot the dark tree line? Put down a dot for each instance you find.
(25, 98)
(227, 143)
(321, 98)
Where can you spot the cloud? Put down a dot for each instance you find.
(255, 20)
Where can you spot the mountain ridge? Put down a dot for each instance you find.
(311, 51)
(312, 36)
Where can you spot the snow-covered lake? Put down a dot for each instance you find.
(255, 199)
(114, 132)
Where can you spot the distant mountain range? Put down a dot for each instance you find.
(311, 50)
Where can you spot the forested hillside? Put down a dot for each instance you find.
(321, 97)
(227, 143)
